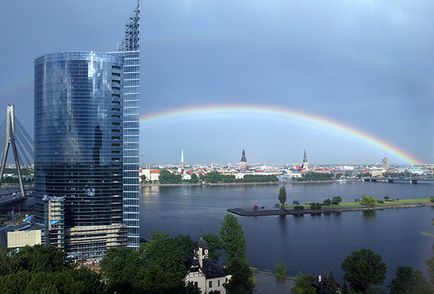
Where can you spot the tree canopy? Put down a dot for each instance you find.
(282, 196)
(409, 281)
(363, 268)
(369, 200)
(42, 269)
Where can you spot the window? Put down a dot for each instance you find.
(196, 284)
(210, 284)
(218, 283)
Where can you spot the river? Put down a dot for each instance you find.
(309, 244)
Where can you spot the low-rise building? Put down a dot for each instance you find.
(150, 174)
(205, 273)
(14, 237)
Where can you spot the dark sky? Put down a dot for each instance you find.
(365, 63)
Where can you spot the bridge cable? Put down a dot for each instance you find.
(24, 131)
(21, 138)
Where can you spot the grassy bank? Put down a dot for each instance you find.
(354, 204)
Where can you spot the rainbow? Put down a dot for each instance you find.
(278, 113)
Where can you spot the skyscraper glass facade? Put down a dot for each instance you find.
(79, 148)
(129, 50)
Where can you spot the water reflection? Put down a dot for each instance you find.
(367, 214)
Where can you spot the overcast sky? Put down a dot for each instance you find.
(365, 63)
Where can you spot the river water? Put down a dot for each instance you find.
(309, 244)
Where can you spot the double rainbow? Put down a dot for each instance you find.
(278, 113)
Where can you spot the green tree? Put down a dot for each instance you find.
(336, 200)
(166, 263)
(430, 264)
(5, 262)
(166, 177)
(408, 281)
(241, 280)
(303, 284)
(327, 202)
(14, 283)
(194, 179)
(233, 242)
(192, 289)
(232, 237)
(215, 246)
(363, 268)
(282, 196)
(38, 258)
(281, 270)
(314, 205)
(369, 200)
(121, 267)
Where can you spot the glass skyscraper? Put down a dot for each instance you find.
(79, 154)
(129, 50)
(87, 147)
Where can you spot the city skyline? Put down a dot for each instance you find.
(362, 77)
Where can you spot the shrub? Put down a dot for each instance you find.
(336, 200)
(281, 270)
(314, 205)
(369, 200)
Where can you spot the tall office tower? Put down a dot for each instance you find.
(129, 50)
(79, 151)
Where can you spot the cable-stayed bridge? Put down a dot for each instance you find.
(15, 141)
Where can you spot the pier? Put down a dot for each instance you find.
(325, 210)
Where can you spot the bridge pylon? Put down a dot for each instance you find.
(10, 142)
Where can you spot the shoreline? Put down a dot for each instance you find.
(248, 212)
(210, 184)
(243, 184)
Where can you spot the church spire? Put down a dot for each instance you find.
(243, 156)
(243, 161)
(305, 164)
(182, 164)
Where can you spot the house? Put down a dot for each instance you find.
(325, 285)
(205, 273)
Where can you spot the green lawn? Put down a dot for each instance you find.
(386, 203)
(416, 200)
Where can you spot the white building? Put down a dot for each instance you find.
(150, 174)
(205, 273)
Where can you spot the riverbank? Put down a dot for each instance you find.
(343, 207)
(267, 283)
(210, 184)
(243, 184)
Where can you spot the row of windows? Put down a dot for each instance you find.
(131, 181)
(131, 83)
(133, 103)
(131, 132)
